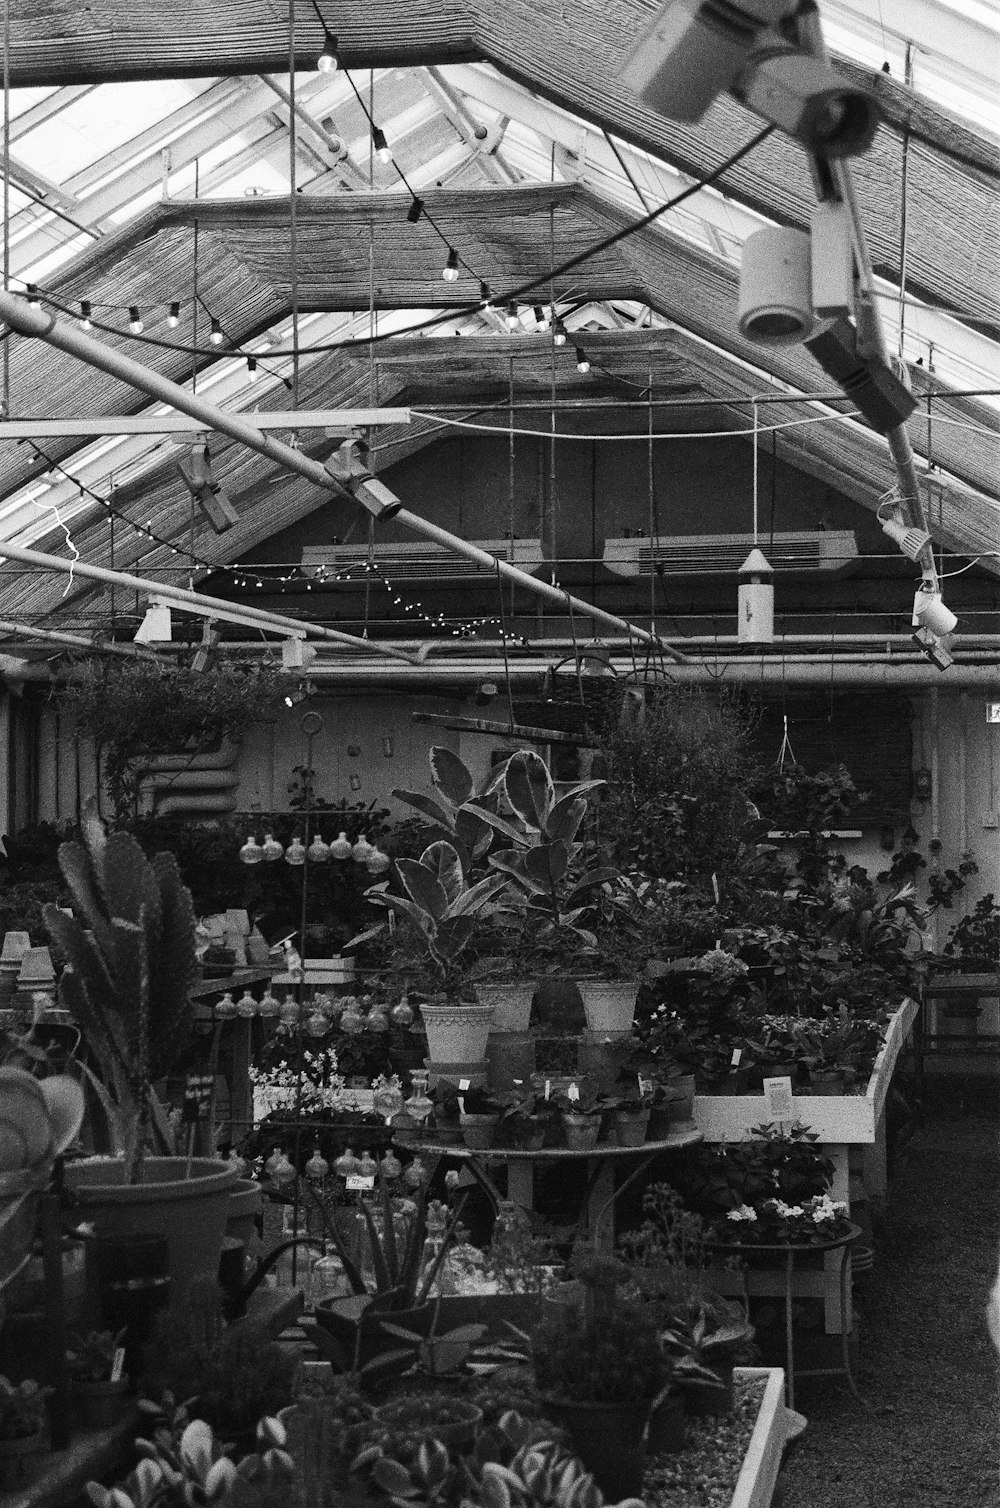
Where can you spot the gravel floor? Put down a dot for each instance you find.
(929, 1436)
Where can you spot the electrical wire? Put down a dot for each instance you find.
(716, 434)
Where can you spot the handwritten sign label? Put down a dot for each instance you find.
(778, 1097)
(361, 1181)
(465, 1084)
(734, 1061)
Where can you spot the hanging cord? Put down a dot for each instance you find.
(786, 754)
(6, 194)
(503, 640)
(552, 391)
(510, 473)
(756, 473)
(576, 653)
(650, 494)
(293, 218)
(368, 574)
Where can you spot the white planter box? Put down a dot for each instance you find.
(775, 1425)
(845, 1119)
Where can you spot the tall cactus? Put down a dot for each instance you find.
(129, 951)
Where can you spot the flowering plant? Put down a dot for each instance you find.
(814, 1220)
(281, 1087)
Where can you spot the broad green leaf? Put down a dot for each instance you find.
(565, 818)
(445, 865)
(450, 776)
(427, 806)
(500, 824)
(423, 887)
(528, 788)
(547, 863)
(420, 918)
(477, 896)
(453, 934)
(511, 861)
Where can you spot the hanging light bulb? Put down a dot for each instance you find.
(383, 151)
(541, 318)
(271, 848)
(251, 852)
(173, 316)
(135, 323)
(318, 851)
(450, 270)
(215, 335)
(85, 321)
(512, 317)
(31, 289)
(582, 364)
(252, 372)
(485, 295)
(295, 853)
(559, 334)
(327, 60)
(415, 210)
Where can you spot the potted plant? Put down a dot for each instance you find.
(582, 1110)
(23, 1432)
(703, 1341)
(97, 1368)
(442, 911)
(129, 953)
(479, 1117)
(431, 1416)
(630, 1117)
(527, 1115)
(599, 1366)
(350, 1331)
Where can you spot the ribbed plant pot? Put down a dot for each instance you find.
(511, 1004)
(509, 1056)
(19, 1461)
(631, 1127)
(608, 1438)
(479, 1131)
(581, 1131)
(457, 1033)
(188, 1202)
(609, 1004)
(101, 1404)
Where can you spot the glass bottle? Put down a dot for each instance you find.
(226, 1008)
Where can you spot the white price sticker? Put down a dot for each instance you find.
(572, 1092)
(734, 1061)
(645, 1085)
(361, 1181)
(118, 1365)
(464, 1084)
(778, 1097)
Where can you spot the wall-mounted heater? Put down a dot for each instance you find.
(723, 554)
(420, 562)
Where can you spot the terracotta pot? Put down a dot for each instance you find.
(101, 1403)
(19, 1461)
(631, 1127)
(581, 1131)
(479, 1131)
(511, 1004)
(186, 1202)
(457, 1033)
(609, 1004)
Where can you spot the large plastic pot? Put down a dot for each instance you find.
(609, 1004)
(457, 1033)
(186, 1202)
(246, 1202)
(608, 1438)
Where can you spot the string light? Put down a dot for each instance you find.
(462, 629)
(512, 317)
(252, 369)
(415, 210)
(327, 60)
(32, 291)
(216, 333)
(86, 322)
(559, 333)
(450, 270)
(174, 316)
(582, 362)
(135, 323)
(383, 151)
(486, 297)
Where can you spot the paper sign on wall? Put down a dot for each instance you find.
(361, 1181)
(778, 1098)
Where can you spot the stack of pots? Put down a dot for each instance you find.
(609, 1007)
(510, 1048)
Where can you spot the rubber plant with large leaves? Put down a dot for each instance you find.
(129, 953)
(455, 811)
(546, 864)
(442, 908)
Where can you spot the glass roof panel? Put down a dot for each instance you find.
(100, 121)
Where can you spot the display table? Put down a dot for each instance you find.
(960, 995)
(841, 1121)
(601, 1191)
(787, 1252)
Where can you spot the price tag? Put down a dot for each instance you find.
(465, 1084)
(734, 1061)
(361, 1181)
(118, 1365)
(548, 1088)
(573, 1092)
(645, 1085)
(778, 1096)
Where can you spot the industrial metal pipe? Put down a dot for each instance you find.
(67, 640)
(198, 600)
(38, 323)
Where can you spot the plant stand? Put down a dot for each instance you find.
(842, 1121)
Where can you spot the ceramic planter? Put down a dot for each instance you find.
(581, 1131)
(101, 1404)
(608, 1438)
(631, 1127)
(457, 1033)
(609, 1004)
(479, 1131)
(19, 1461)
(186, 1201)
(509, 1056)
(511, 1004)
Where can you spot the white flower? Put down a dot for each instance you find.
(743, 1212)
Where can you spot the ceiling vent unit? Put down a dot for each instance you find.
(723, 554)
(420, 562)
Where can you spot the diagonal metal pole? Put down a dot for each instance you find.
(27, 320)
